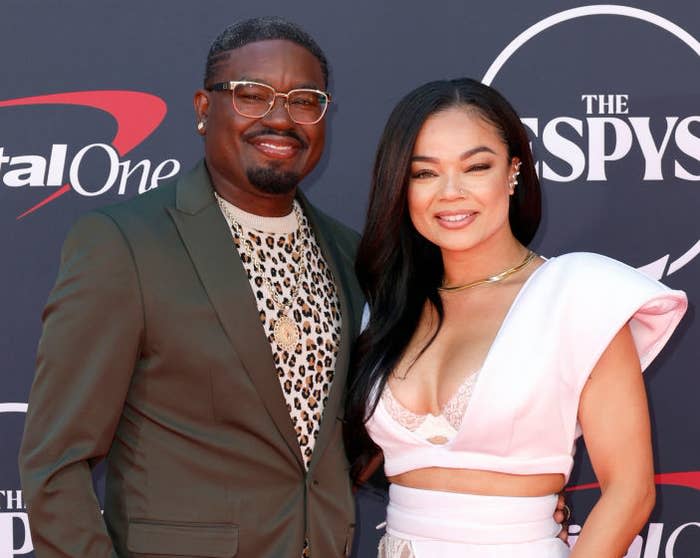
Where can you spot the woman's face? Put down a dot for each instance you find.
(459, 181)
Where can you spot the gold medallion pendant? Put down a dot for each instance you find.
(286, 333)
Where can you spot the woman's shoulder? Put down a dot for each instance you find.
(590, 262)
(590, 282)
(594, 296)
(588, 268)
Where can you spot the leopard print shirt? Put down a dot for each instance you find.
(306, 372)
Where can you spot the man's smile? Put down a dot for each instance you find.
(277, 147)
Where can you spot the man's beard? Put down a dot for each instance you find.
(273, 181)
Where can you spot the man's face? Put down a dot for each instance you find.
(264, 156)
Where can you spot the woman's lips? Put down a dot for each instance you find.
(455, 219)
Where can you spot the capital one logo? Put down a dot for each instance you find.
(137, 116)
(657, 540)
(601, 130)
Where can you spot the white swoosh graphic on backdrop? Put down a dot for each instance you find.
(13, 407)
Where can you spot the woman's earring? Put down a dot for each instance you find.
(514, 178)
(200, 126)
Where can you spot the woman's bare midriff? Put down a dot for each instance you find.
(486, 483)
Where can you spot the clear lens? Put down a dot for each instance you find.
(253, 99)
(306, 106)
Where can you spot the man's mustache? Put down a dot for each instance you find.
(281, 133)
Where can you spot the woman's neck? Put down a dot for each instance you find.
(486, 259)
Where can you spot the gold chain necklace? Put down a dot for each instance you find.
(285, 331)
(492, 278)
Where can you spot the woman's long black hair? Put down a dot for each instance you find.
(397, 268)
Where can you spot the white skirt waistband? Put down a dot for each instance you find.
(416, 514)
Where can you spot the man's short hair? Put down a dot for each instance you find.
(260, 29)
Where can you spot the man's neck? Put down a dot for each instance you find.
(264, 205)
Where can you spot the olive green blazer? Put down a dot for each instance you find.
(153, 357)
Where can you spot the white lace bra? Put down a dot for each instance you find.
(437, 429)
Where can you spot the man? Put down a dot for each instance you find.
(198, 338)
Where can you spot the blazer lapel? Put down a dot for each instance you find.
(341, 266)
(207, 238)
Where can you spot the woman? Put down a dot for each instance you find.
(482, 362)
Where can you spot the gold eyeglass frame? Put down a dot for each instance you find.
(231, 85)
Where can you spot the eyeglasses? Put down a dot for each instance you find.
(255, 100)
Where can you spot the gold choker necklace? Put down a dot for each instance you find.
(493, 278)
